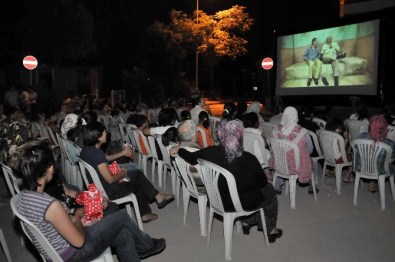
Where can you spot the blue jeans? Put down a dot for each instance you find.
(117, 230)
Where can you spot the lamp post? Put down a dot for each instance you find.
(197, 54)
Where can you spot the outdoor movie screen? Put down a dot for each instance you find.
(337, 60)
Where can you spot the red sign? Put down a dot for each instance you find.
(30, 62)
(267, 63)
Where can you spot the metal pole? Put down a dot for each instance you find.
(197, 54)
(31, 78)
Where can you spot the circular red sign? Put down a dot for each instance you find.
(30, 62)
(267, 63)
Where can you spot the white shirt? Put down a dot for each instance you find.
(195, 113)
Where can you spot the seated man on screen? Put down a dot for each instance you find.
(331, 52)
(311, 55)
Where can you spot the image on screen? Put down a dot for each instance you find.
(344, 61)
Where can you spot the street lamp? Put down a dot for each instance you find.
(197, 54)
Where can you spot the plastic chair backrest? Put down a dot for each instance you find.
(137, 134)
(210, 173)
(214, 122)
(328, 141)
(52, 137)
(165, 152)
(93, 174)
(355, 127)
(316, 143)
(320, 122)
(370, 153)
(72, 151)
(280, 148)
(9, 177)
(124, 135)
(31, 231)
(130, 134)
(249, 139)
(268, 129)
(203, 134)
(151, 142)
(183, 168)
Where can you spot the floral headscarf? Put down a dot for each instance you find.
(231, 138)
(378, 128)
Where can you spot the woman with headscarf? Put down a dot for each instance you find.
(251, 182)
(256, 108)
(289, 129)
(377, 132)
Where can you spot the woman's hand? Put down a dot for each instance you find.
(174, 151)
(127, 151)
(105, 202)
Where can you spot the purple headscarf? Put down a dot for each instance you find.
(231, 138)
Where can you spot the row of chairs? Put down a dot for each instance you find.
(325, 143)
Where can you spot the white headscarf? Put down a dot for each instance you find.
(69, 122)
(289, 120)
(254, 107)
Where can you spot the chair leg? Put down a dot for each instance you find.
(137, 211)
(160, 173)
(153, 169)
(264, 227)
(185, 196)
(313, 185)
(202, 202)
(210, 225)
(323, 175)
(356, 185)
(5, 247)
(178, 186)
(292, 189)
(338, 171)
(381, 182)
(392, 186)
(228, 234)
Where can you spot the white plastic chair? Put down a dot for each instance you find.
(268, 129)
(130, 134)
(210, 174)
(317, 147)
(143, 158)
(5, 246)
(280, 148)
(189, 189)
(63, 155)
(203, 134)
(214, 122)
(320, 122)
(124, 134)
(123, 200)
(253, 142)
(9, 178)
(330, 143)
(167, 165)
(355, 127)
(31, 231)
(72, 174)
(391, 132)
(155, 160)
(370, 154)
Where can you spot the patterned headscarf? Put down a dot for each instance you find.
(254, 107)
(289, 120)
(231, 138)
(378, 128)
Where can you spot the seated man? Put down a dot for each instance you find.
(331, 52)
(311, 55)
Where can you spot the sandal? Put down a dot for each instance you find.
(349, 180)
(168, 198)
(149, 218)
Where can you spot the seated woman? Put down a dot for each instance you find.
(251, 124)
(377, 132)
(70, 239)
(94, 135)
(251, 182)
(204, 124)
(289, 130)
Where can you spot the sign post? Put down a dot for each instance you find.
(30, 63)
(267, 64)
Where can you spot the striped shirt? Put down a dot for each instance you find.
(33, 206)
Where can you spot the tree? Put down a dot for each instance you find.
(213, 36)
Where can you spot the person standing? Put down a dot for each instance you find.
(312, 57)
(331, 53)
